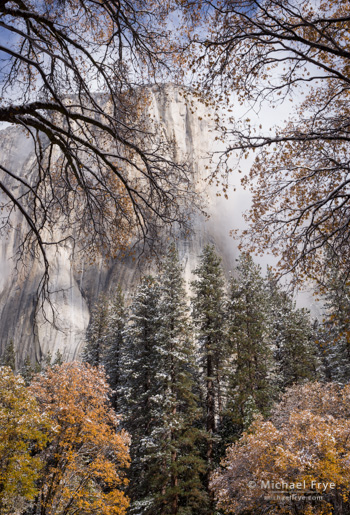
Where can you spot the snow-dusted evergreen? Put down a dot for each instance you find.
(182, 488)
(293, 337)
(105, 339)
(210, 322)
(187, 383)
(251, 384)
(140, 398)
(161, 404)
(114, 345)
(334, 332)
(8, 358)
(97, 332)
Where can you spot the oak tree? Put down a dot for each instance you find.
(305, 442)
(72, 77)
(85, 461)
(23, 434)
(266, 52)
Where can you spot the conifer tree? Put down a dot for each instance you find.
(162, 408)
(140, 402)
(334, 333)
(183, 469)
(46, 361)
(8, 359)
(209, 320)
(114, 343)
(58, 358)
(97, 332)
(251, 386)
(293, 338)
(28, 370)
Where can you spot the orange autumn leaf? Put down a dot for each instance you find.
(85, 463)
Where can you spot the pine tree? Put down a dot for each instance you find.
(8, 359)
(162, 408)
(97, 332)
(209, 319)
(58, 359)
(114, 344)
(141, 406)
(29, 370)
(46, 361)
(183, 468)
(251, 386)
(334, 332)
(293, 337)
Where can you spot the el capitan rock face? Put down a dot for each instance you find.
(74, 283)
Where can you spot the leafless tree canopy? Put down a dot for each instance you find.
(73, 76)
(265, 51)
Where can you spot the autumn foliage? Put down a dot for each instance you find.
(271, 54)
(84, 463)
(306, 441)
(60, 452)
(22, 436)
(75, 78)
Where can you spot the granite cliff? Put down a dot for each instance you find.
(76, 284)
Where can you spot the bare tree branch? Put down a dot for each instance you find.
(73, 75)
(265, 51)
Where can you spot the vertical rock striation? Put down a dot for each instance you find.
(76, 284)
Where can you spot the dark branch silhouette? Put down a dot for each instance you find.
(75, 76)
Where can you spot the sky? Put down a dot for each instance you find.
(228, 214)
(230, 210)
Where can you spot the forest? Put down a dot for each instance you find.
(231, 387)
(204, 398)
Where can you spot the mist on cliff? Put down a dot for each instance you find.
(78, 286)
(227, 214)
